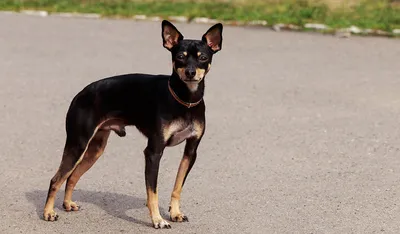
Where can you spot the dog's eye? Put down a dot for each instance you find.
(180, 56)
(203, 58)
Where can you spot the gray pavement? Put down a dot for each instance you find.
(303, 131)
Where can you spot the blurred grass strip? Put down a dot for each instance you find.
(374, 14)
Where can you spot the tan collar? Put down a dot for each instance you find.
(187, 104)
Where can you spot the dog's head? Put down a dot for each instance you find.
(191, 59)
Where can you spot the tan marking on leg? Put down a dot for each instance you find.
(152, 204)
(49, 214)
(175, 213)
(94, 151)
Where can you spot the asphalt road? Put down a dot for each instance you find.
(302, 131)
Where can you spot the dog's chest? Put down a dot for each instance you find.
(177, 131)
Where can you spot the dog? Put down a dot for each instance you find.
(167, 110)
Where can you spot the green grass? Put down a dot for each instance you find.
(375, 14)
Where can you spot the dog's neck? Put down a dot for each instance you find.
(183, 92)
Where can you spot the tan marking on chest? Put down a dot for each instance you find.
(171, 128)
(178, 131)
(198, 129)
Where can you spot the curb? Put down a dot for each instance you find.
(314, 27)
(76, 15)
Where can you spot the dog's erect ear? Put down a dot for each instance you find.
(170, 35)
(213, 37)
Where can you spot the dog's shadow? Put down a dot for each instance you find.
(114, 204)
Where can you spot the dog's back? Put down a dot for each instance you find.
(129, 96)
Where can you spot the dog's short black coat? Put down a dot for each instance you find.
(166, 109)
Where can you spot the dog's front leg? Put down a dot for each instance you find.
(153, 154)
(185, 166)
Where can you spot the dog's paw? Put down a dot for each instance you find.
(179, 218)
(71, 206)
(176, 215)
(50, 216)
(161, 223)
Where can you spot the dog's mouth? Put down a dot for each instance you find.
(191, 81)
(197, 78)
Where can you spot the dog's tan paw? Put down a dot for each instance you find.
(50, 216)
(179, 218)
(71, 206)
(161, 223)
(176, 215)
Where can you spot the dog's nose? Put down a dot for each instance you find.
(190, 73)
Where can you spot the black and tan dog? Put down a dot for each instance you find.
(166, 109)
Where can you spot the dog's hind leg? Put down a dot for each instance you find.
(94, 151)
(75, 147)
